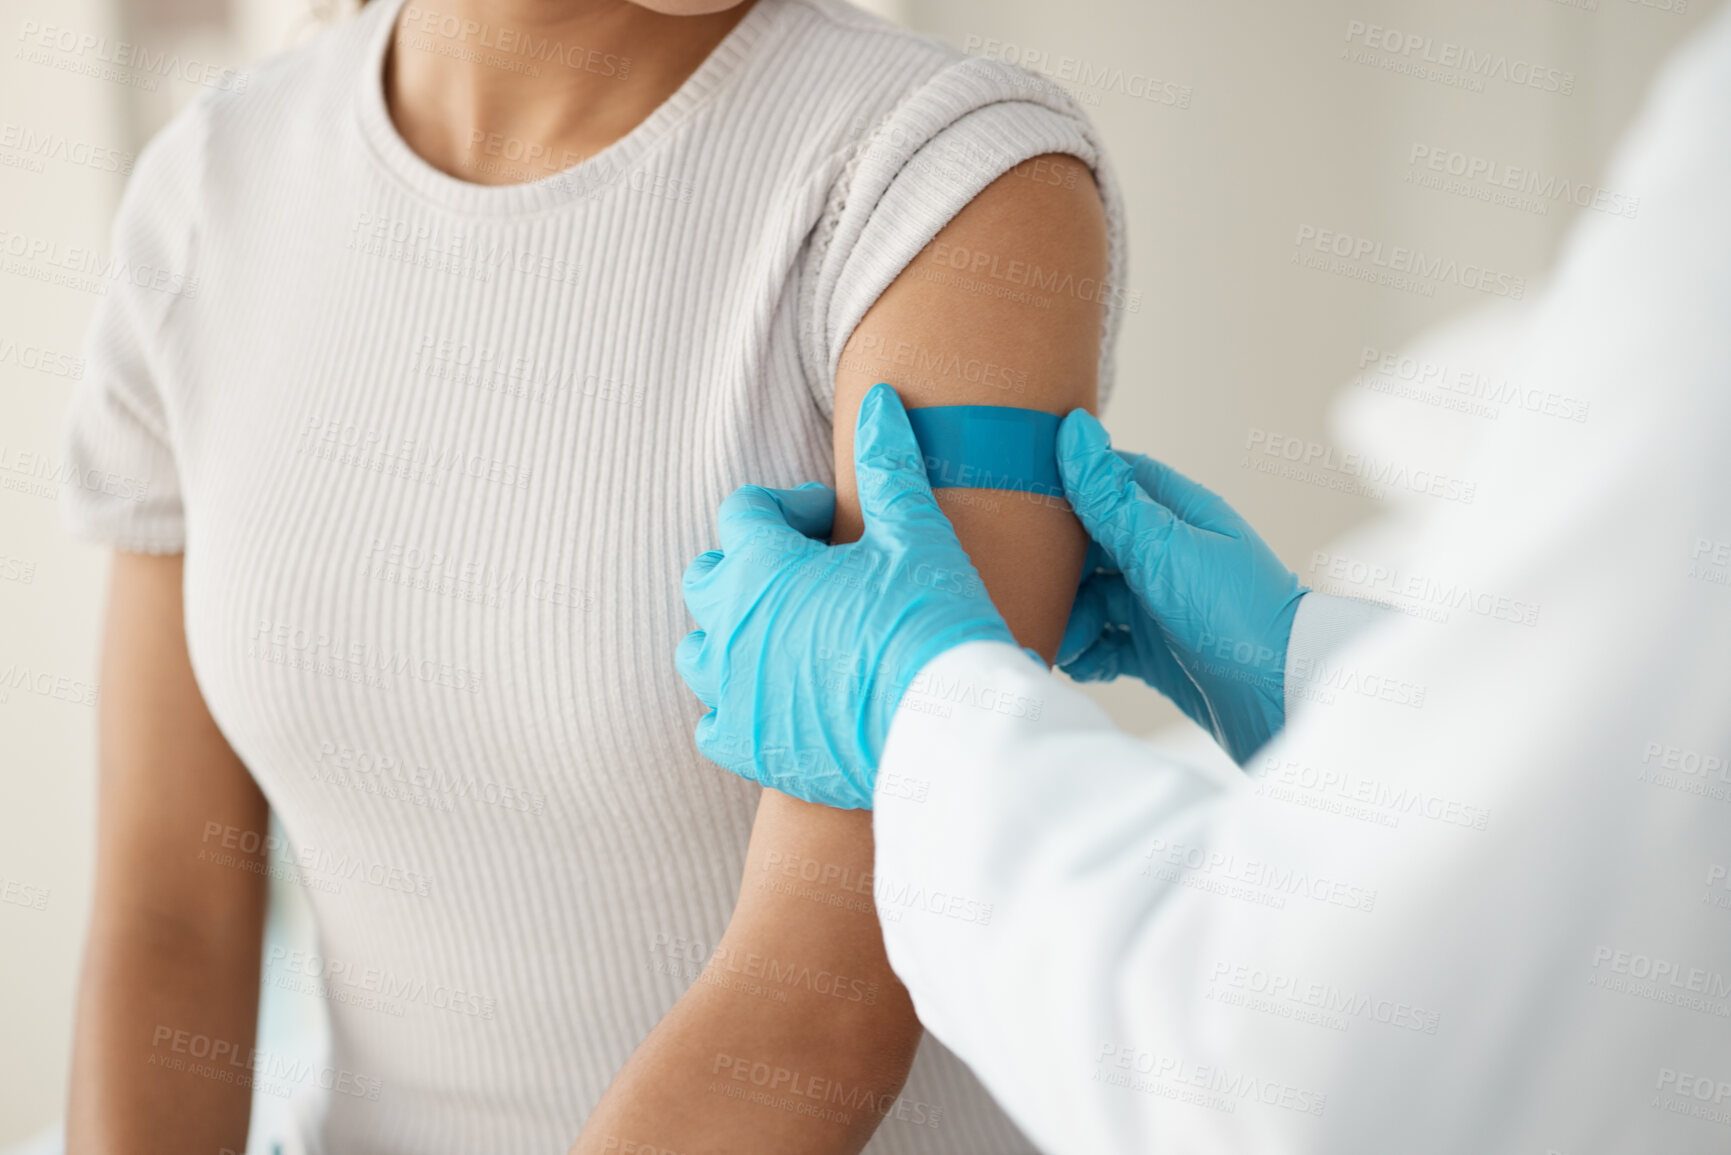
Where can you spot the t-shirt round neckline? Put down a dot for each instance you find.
(578, 182)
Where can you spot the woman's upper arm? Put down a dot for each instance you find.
(968, 323)
(170, 784)
(933, 338)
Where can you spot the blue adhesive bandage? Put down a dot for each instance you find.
(989, 447)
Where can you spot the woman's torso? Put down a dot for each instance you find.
(446, 451)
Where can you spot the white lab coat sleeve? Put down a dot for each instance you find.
(1323, 624)
(1013, 824)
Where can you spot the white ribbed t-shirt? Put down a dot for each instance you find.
(438, 453)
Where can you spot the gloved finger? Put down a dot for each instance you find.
(701, 567)
(1157, 664)
(809, 508)
(1122, 610)
(1109, 656)
(1119, 653)
(713, 743)
(1165, 604)
(1129, 525)
(1191, 501)
(890, 472)
(1096, 561)
(700, 585)
(693, 664)
(756, 517)
(1087, 619)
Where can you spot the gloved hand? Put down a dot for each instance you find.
(1180, 592)
(804, 649)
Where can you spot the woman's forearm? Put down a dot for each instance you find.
(162, 1055)
(168, 997)
(797, 1036)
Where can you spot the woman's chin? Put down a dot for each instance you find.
(688, 7)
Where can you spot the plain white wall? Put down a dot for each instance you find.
(49, 586)
(1281, 131)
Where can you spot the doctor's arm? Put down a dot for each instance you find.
(1088, 881)
(730, 1069)
(1035, 824)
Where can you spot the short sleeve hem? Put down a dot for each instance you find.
(959, 132)
(120, 483)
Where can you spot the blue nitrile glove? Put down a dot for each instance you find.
(804, 649)
(1179, 591)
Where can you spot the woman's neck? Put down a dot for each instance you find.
(507, 91)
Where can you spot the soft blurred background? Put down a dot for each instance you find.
(1237, 127)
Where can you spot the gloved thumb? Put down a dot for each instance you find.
(1130, 526)
(889, 471)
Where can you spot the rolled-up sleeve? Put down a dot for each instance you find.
(957, 133)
